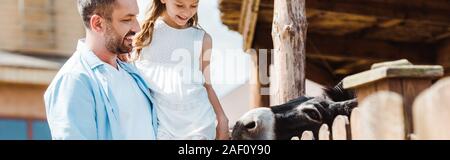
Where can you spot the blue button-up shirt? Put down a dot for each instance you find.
(79, 104)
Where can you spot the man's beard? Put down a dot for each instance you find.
(115, 43)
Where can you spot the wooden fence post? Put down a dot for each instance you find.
(295, 138)
(289, 37)
(340, 128)
(401, 77)
(380, 117)
(431, 112)
(355, 124)
(307, 135)
(324, 132)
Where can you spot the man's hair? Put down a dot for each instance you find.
(88, 8)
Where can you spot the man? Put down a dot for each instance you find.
(95, 95)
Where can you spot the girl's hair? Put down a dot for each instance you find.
(144, 38)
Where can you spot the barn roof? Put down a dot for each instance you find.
(346, 36)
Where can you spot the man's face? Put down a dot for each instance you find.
(122, 27)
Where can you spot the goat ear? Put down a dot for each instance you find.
(338, 93)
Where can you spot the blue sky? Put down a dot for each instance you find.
(229, 64)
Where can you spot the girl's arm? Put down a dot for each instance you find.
(222, 130)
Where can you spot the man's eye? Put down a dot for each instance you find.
(179, 6)
(126, 20)
(194, 6)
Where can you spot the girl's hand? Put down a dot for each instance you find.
(222, 130)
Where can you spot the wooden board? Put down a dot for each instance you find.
(380, 117)
(411, 89)
(324, 132)
(432, 112)
(355, 124)
(365, 91)
(339, 128)
(370, 76)
(248, 19)
(307, 135)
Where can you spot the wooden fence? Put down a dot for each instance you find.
(381, 116)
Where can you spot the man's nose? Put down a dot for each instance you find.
(136, 27)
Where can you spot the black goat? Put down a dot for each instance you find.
(285, 121)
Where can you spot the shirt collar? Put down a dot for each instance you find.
(94, 62)
(88, 55)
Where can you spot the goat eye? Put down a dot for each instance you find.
(313, 114)
(250, 125)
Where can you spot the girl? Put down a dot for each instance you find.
(171, 41)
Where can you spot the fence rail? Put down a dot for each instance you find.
(381, 116)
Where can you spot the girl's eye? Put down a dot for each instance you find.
(194, 6)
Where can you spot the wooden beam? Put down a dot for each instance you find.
(248, 19)
(443, 56)
(407, 71)
(352, 67)
(346, 48)
(260, 90)
(435, 11)
(289, 37)
(350, 48)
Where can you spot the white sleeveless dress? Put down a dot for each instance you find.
(171, 66)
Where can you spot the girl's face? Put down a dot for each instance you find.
(180, 11)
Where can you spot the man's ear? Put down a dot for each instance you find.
(96, 23)
(163, 1)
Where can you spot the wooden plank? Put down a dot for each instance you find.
(259, 98)
(324, 132)
(415, 71)
(289, 37)
(350, 67)
(409, 10)
(307, 135)
(412, 88)
(248, 19)
(30, 105)
(432, 112)
(355, 124)
(417, 10)
(329, 46)
(364, 91)
(34, 34)
(402, 62)
(26, 75)
(380, 117)
(295, 138)
(339, 128)
(391, 84)
(38, 24)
